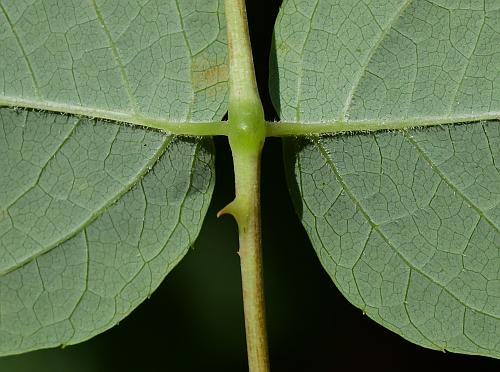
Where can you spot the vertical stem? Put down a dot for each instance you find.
(247, 213)
(241, 71)
(247, 132)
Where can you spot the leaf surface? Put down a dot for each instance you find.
(94, 214)
(406, 223)
(387, 60)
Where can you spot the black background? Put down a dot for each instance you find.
(194, 321)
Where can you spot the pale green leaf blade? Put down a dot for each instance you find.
(397, 60)
(406, 223)
(147, 59)
(91, 231)
(408, 228)
(94, 214)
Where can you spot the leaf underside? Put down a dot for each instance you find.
(406, 223)
(94, 214)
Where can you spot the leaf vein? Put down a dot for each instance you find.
(443, 176)
(116, 55)
(464, 71)
(23, 51)
(49, 159)
(374, 48)
(161, 150)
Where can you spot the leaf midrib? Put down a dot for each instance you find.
(220, 128)
(191, 128)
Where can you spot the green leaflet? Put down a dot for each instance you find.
(93, 214)
(386, 60)
(409, 230)
(406, 223)
(155, 59)
(103, 262)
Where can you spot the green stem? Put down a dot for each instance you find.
(246, 210)
(247, 132)
(242, 83)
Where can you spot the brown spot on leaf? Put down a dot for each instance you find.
(206, 73)
(3, 215)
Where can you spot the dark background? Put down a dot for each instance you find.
(194, 321)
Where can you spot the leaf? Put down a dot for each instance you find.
(406, 223)
(94, 214)
(387, 60)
